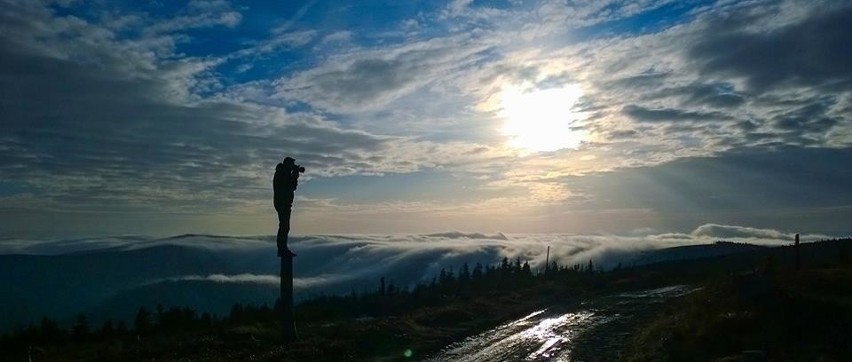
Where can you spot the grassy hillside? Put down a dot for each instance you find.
(772, 312)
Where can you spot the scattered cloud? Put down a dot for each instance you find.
(366, 80)
(642, 114)
(809, 52)
(182, 23)
(181, 108)
(340, 36)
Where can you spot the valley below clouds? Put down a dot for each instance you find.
(112, 277)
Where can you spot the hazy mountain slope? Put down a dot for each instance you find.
(690, 252)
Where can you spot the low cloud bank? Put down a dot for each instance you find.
(752, 235)
(353, 256)
(245, 278)
(260, 279)
(366, 255)
(461, 235)
(119, 273)
(131, 242)
(339, 263)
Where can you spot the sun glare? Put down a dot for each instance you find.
(541, 120)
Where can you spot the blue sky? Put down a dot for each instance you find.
(421, 116)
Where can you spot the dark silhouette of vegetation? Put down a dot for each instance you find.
(388, 299)
(456, 302)
(782, 310)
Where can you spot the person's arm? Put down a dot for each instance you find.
(295, 179)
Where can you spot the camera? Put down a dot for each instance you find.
(290, 162)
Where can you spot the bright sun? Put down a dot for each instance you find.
(541, 120)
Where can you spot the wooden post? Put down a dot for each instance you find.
(288, 320)
(547, 260)
(798, 254)
(288, 314)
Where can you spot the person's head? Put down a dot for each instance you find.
(289, 161)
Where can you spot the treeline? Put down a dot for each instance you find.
(387, 299)
(447, 286)
(49, 331)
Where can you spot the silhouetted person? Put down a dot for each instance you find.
(284, 183)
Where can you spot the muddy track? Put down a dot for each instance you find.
(594, 330)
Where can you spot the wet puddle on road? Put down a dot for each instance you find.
(599, 325)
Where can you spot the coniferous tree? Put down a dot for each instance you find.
(121, 328)
(50, 331)
(504, 264)
(142, 322)
(80, 331)
(464, 273)
(477, 271)
(525, 270)
(107, 329)
(237, 313)
(206, 319)
(160, 311)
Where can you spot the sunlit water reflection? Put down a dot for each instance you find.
(597, 326)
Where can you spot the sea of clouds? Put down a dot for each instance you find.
(210, 272)
(328, 259)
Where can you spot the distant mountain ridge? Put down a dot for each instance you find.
(62, 285)
(689, 252)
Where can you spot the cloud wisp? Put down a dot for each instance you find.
(314, 283)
